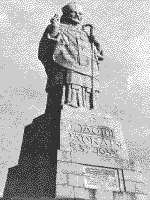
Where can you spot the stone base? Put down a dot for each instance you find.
(35, 174)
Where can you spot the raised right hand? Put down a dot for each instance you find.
(54, 26)
(55, 21)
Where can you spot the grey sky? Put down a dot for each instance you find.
(123, 30)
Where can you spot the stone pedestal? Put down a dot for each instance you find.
(86, 138)
(35, 174)
(80, 166)
(124, 196)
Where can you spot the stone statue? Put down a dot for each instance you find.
(65, 52)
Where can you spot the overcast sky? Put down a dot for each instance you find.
(124, 33)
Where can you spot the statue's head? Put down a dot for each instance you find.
(71, 13)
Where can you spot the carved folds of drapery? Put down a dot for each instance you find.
(78, 90)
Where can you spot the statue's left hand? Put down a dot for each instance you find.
(91, 38)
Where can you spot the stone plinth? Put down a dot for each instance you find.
(34, 176)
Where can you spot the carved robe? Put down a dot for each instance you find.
(67, 62)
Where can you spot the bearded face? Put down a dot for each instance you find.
(75, 16)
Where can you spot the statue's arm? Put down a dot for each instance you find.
(47, 45)
(48, 42)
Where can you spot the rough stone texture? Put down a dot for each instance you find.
(64, 191)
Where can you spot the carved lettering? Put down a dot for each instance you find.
(86, 149)
(113, 152)
(86, 130)
(85, 137)
(79, 138)
(95, 130)
(108, 151)
(106, 132)
(102, 151)
(118, 144)
(109, 133)
(77, 147)
(73, 146)
(87, 140)
(95, 143)
(81, 148)
(99, 140)
(85, 144)
(94, 150)
(103, 143)
(101, 132)
(108, 142)
(77, 128)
